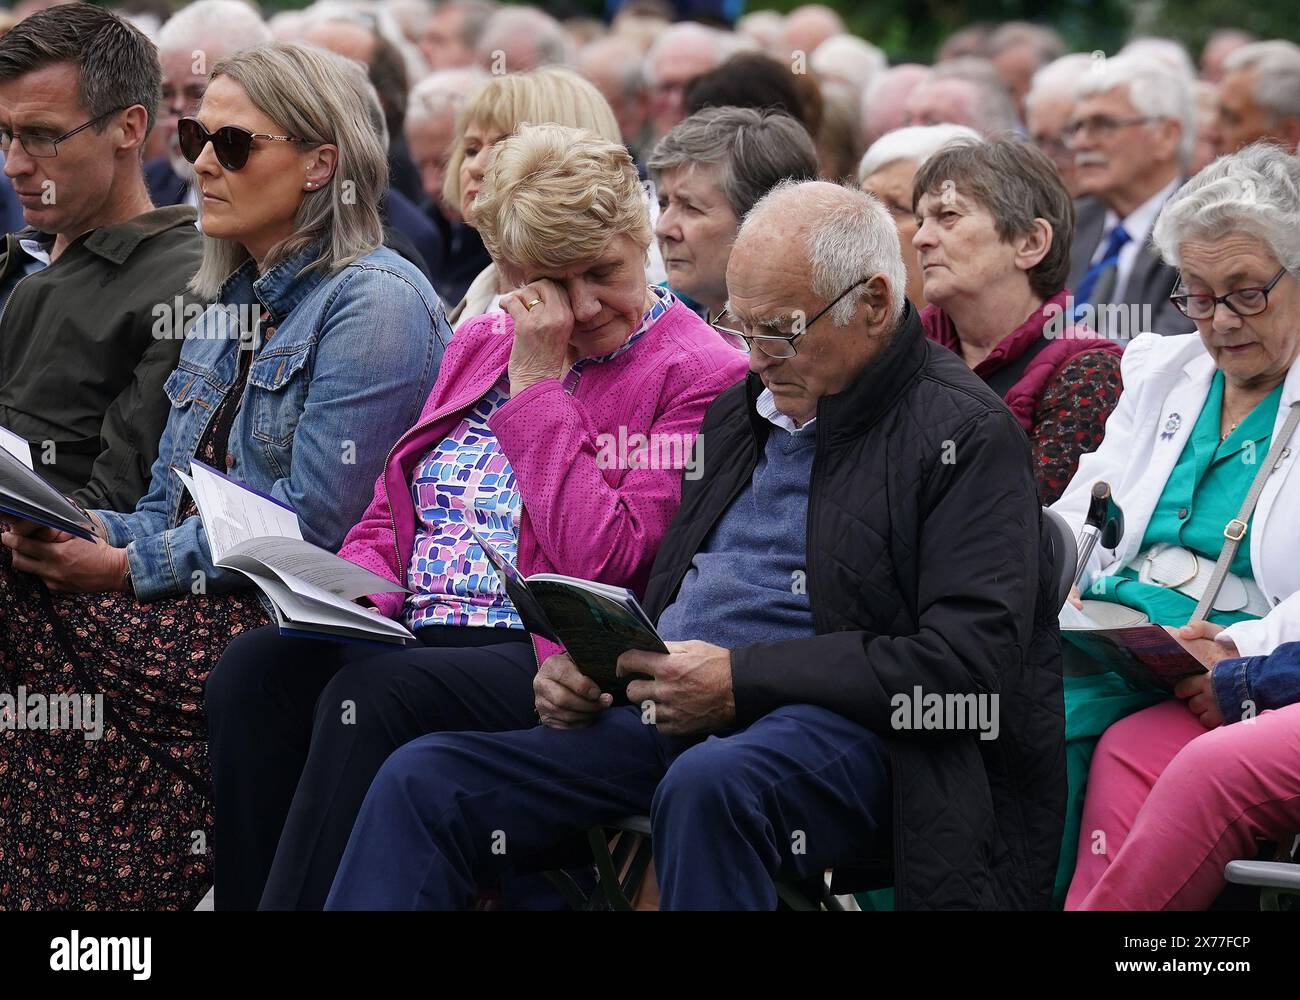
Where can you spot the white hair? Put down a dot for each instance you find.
(1164, 52)
(1156, 92)
(536, 25)
(850, 59)
(684, 33)
(216, 25)
(851, 237)
(1254, 191)
(441, 92)
(763, 27)
(1058, 77)
(1277, 75)
(994, 110)
(409, 15)
(915, 142)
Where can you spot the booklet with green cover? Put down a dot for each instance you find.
(594, 622)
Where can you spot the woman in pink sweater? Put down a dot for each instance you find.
(560, 430)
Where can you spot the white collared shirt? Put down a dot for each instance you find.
(1138, 225)
(766, 406)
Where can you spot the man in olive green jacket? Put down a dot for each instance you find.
(93, 297)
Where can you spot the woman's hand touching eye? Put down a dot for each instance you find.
(543, 323)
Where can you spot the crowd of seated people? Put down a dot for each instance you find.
(408, 268)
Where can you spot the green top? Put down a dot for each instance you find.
(1204, 492)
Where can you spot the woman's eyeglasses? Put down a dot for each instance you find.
(732, 330)
(1242, 301)
(231, 143)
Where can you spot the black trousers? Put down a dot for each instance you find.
(298, 728)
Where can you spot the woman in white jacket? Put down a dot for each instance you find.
(1190, 433)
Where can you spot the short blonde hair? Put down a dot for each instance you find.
(555, 197)
(503, 103)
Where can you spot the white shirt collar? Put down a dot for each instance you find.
(766, 406)
(36, 249)
(1138, 222)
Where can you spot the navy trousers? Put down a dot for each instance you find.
(299, 727)
(796, 792)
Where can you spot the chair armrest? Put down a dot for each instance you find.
(1268, 874)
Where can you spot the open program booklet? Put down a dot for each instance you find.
(1105, 636)
(312, 590)
(595, 622)
(24, 493)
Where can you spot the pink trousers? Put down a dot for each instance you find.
(1169, 803)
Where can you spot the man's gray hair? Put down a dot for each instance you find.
(1255, 191)
(1046, 43)
(474, 18)
(851, 59)
(722, 44)
(752, 150)
(1277, 75)
(994, 110)
(1058, 77)
(850, 239)
(442, 92)
(544, 31)
(1166, 52)
(1153, 89)
(210, 26)
(914, 142)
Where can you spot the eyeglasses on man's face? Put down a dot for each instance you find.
(1243, 301)
(1102, 126)
(188, 97)
(775, 345)
(42, 145)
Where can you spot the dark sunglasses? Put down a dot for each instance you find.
(231, 143)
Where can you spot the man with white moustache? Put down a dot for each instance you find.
(1132, 131)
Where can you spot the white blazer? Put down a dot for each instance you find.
(1166, 381)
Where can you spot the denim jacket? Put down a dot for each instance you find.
(1257, 682)
(341, 365)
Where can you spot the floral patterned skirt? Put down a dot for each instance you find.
(121, 821)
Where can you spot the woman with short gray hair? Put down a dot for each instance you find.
(316, 353)
(994, 225)
(710, 170)
(1201, 455)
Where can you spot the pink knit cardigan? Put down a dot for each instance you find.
(579, 517)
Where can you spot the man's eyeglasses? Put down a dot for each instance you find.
(189, 97)
(732, 330)
(231, 143)
(44, 146)
(1103, 126)
(1242, 301)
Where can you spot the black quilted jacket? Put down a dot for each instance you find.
(925, 567)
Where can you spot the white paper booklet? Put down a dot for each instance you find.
(25, 493)
(313, 591)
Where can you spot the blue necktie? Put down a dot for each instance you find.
(1118, 237)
